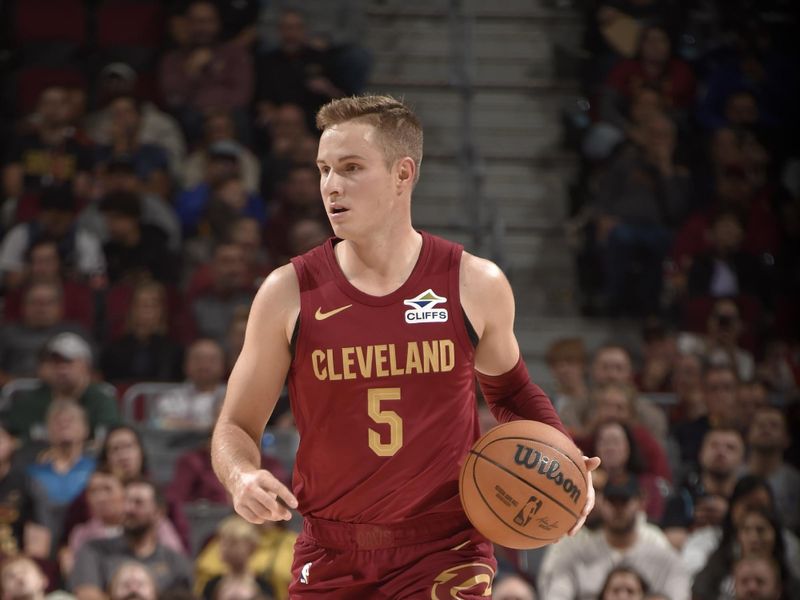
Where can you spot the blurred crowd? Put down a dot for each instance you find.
(686, 218)
(158, 161)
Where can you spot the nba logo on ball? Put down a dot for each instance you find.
(523, 484)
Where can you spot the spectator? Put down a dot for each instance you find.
(135, 251)
(295, 72)
(219, 127)
(207, 74)
(156, 127)
(749, 493)
(512, 587)
(336, 28)
(298, 200)
(65, 372)
(725, 270)
(62, 471)
(119, 175)
(751, 396)
(98, 560)
(50, 155)
(757, 534)
(194, 404)
(768, 439)
(659, 352)
(42, 318)
(213, 308)
(640, 199)
(687, 384)
(132, 581)
(757, 578)
(581, 573)
(80, 252)
(22, 579)
(654, 66)
(612, 363)
(18, 523)
(222, 164)
(150, 160)
(238, 541)
(272, 559)
(43, 265)
(228, 201)
(720, 343)
(305, 234)
(702, 499)
(623, 583)
(615, 445)
(145, 352)
(719, 396)
(105, 496)
(566, 360)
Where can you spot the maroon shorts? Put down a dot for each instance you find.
(440, 556)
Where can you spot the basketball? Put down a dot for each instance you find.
(523, 484)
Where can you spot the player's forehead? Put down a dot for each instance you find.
(347, 140)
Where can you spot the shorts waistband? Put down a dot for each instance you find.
(339, 535)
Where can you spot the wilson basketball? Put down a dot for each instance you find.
(523, 484)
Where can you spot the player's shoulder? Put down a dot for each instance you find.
(280, 288)
(480, 272)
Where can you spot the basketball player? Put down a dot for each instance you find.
(381, 331)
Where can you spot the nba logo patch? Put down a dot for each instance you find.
(423, 308)
(304, 573)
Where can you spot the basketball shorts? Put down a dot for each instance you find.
(434, 558)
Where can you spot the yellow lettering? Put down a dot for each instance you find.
(364, 362)
(393, 368)
(332, 374)
(413, 361)
(317, 360)
(380, 361)
(447, 354)
(430, 357)
(347, 362)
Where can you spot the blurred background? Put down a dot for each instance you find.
(632, 165)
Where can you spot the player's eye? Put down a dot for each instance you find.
(352, 167)
(324, 170)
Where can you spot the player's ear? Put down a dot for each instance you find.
(406, 170)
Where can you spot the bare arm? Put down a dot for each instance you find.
(253, 390)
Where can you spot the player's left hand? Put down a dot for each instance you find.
(591, 465)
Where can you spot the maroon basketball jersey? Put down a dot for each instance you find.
(382, 390)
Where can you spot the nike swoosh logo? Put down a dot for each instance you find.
(321, 316)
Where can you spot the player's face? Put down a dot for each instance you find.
(355, 182)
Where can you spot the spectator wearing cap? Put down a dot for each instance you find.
(150, 159)
(65, 373)
(624, 537)
(17, 518)
(135, 251)
(156, 126)
(119, 175)
(42, 318)
(222, 166)
(219, 127)
(80, 251)
(50, 155)
(62, 470)
(207, 74)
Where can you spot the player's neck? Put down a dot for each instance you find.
(381, 264)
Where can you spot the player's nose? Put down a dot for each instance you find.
(331, 184)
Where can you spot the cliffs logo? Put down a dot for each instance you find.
(423, 308)
(549, 467)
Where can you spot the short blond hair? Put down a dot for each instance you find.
(399, 129)
(235, 527)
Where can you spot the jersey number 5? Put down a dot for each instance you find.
(386, 417)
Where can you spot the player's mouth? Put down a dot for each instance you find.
(337, 211)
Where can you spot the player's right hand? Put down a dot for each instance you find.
(260, 497)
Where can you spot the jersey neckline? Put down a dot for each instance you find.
(362, 297)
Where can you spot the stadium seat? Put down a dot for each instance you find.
(38, 21)
(33, 80)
